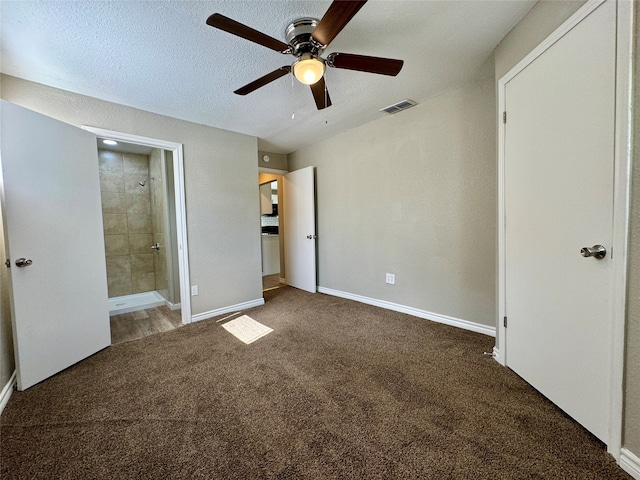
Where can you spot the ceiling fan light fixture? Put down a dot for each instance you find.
(308, 69)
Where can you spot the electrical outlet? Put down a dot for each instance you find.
(194, 290)
(391, 278)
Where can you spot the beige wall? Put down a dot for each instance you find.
(220, 183)
(277, 161)
(631, 432)
(542, 20)
(538, 24)
(413, 194)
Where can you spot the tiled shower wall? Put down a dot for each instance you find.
(128, 231)
(158, 221)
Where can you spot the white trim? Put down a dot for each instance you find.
(496, 355)
(434, 317)
(630, 463)
(275, 171)
(621, 209)
(180, 199)
(624, 63)
(7, 390)
(173, 306)
(283, 280)
(232, 308)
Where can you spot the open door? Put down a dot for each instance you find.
(559, 184)
(300, 231)
(53, 231)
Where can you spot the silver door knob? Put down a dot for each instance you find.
(23, 262)
(156, 247)
(311, 237)
(597, 251)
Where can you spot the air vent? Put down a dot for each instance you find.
(398, 107)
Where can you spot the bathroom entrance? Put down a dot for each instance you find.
(141, 186)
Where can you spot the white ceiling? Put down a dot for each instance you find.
(160, 56)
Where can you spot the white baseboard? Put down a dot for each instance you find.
(497, 357)
(230, 309)
(173, 306)
(434, 317)
(5, 395)
(630, 463)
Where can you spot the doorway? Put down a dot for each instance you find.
(271, 231)
(145, 227)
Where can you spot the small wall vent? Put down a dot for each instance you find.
(398, 107)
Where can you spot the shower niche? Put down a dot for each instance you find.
(138, 210)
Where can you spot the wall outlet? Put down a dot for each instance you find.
(391, 278)
(194, 290)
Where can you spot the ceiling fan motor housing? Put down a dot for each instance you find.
(298, 36)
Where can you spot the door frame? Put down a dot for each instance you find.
(181, 212)
(622, 179)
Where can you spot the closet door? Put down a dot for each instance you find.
(559, 172)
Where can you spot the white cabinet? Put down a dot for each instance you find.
(270, 254)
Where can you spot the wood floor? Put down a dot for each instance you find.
(271, 281)
(132, 326)
(135, 325)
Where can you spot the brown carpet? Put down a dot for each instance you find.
(338, 390)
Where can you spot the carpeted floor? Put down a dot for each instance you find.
(339, 390)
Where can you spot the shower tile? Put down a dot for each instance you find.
(115, 224)
(110, 161)
(141, 243)
(134, 163)
(139, 223)
(132, 183)
(111, 181)
(118, 286)
(113, 203)
(116, 244)
(142, 263)
(138, 204)
(143, 282)
(157, 220)
(118, 266)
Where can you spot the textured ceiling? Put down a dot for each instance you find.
(160, 56)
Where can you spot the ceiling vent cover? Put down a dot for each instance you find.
(398, 107)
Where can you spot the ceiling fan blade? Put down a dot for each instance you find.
(363, 63)
(340, 12)
(321, 94)
(223, 23)
(262, 81)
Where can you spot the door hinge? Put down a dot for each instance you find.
(504, 117)
(504, 322)
(7, 263)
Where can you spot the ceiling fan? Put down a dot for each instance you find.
(306, 39)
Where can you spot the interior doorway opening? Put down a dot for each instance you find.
(271, 230)
(142, 187)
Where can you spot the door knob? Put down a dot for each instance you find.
(156, 247)
(311, 237)
(597, 251)
(23, 262)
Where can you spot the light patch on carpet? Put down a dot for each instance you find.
(246, 329)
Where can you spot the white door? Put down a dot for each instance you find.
(52, 216)
(300, 229)
(559, 167)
